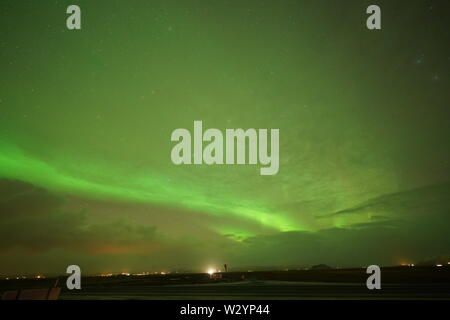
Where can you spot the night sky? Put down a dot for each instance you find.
(86, 118)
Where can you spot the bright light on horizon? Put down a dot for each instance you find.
(211, 271)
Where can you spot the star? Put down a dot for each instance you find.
(420, 59)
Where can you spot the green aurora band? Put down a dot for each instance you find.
(14, 164)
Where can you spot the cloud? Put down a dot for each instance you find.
(34, 219)
(416, 201)
(403, 226)
(382, 243)
(40, 232)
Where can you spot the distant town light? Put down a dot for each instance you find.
(106, 275)
(407, 264)
(439, 265)
(211, 271)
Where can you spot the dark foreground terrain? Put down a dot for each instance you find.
(397, 283)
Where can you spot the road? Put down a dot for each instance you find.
(263, 290)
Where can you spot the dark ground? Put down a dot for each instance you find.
(396, 283)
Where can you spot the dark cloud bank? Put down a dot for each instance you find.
(38, 234)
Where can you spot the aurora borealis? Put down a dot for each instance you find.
(86, 118)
